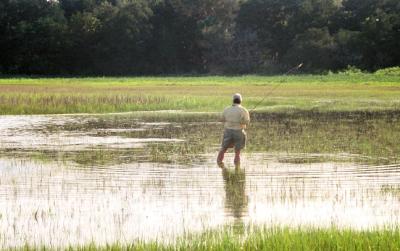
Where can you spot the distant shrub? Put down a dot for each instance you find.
(351, 70)
(392, 71)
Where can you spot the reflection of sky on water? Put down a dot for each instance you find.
(61, 202)
(324, 194)
(29, 132)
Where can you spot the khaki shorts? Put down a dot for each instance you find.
(234, 138)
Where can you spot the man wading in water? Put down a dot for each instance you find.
(236, 118)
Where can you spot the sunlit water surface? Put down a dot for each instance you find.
(61, 202)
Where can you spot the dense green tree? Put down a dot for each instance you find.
(127, 37)
(375, 26)
(215, 20)
(175, 43)
(120, 44)
(111, 39)
(347, 51)
(285, 27)
(71, 7)
(243, 54)
(33, 33)
(270, 20)
(315, 48)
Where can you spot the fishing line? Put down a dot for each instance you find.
(276, 86)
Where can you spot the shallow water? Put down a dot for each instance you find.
(55, 191)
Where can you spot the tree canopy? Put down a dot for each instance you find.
(137, 37)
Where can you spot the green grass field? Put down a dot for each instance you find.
(335, 92)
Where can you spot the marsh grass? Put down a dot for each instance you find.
(367, 134)
(267, 238)
(335, 92)
(370, 137)
(371, 134)
(331, 114)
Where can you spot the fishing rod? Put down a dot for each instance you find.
(276, 86)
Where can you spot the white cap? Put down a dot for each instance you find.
(237, 96)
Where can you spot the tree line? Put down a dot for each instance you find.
(148, 37)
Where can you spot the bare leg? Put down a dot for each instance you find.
(237, 158)
(221, 155)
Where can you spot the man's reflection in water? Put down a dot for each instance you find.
(235, 195)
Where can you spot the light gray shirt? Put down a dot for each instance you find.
(235, 117)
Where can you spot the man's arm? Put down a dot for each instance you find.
(222, 117)
(245, 118)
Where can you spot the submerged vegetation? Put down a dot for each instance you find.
(336, 92)
(308, 137)
(368, 136)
